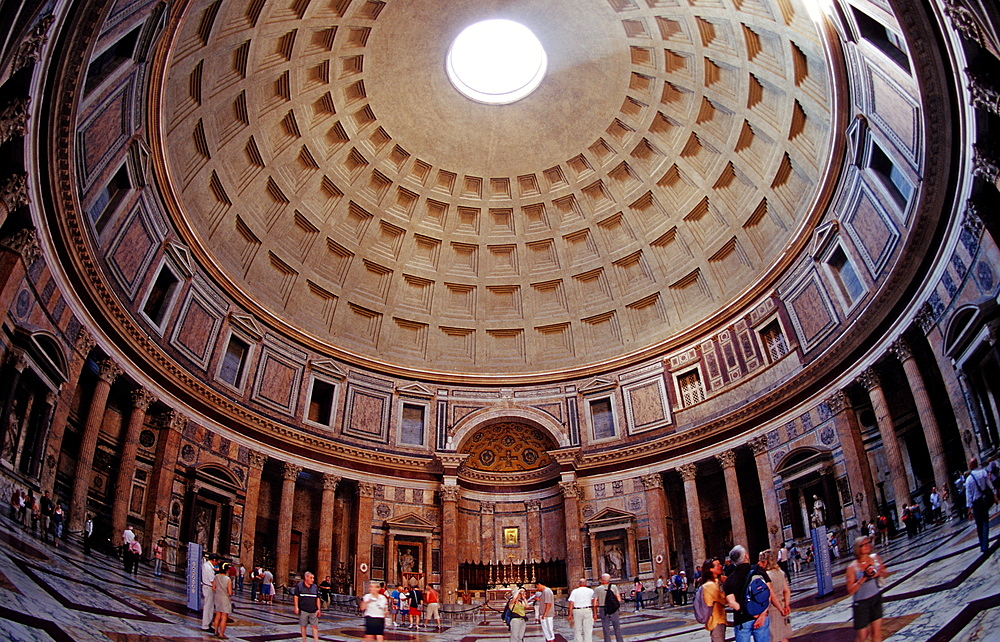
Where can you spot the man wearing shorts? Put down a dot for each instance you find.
(267, 586)
(306, 598)
(432, 602)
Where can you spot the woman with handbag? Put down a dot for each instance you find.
(863, 576)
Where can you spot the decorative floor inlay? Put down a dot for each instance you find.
(941, 589)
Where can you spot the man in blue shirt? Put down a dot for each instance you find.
(977, 483)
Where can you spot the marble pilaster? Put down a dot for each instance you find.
(366, 507)
(574, 542)
(845, 421)
(450, 495)
(255, 466)
(656, 510)
(162, 478)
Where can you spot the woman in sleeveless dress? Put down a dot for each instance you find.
(222, 585)
(781, 626)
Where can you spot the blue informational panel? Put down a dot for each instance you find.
(821, 553)
(193, 576)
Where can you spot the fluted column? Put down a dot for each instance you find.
(142, 399)
(366, 506)
(109, 371)
(855, 461)
(925, 411)
(765, 474)
(53, 446)
(574, 545)
(656, 510)
(900, 487)
(255, 465)
(688, 473)
(450, 495)
(324, 553)
(289, 474)
(727, 459)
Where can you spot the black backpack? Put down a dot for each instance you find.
(611, 602)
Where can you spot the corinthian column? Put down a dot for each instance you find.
(255, 465)
(109, 371)
(925, 411)
(324, 565)
(366, 505)
(656, 509)
(574, 545)
(900, 487)
(855, 461)
(727, 459)
(765, 474)
(450, 495)
(688, 473)
(284, 544)
(142, 399)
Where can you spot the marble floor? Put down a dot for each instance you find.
(941, 589)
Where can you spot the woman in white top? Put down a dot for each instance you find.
(374, 606)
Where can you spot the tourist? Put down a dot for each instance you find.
(580, 611)
(240, 576)
(935, 501)
(58, 517)
(675, 588)
(712, 595)
(684, 588)
(88, 532)
(661, 588)
(960, 501)
(326, 589)
(433, 604)
(128, 536)
(608, 610)
(518, 606)
(546, 605)
(305, 596)
(862, 583)
(746, 626)
(394, 602)
(781, 601)
(46, 516)
(208, 592)
(796, 557)
(980, 499)
(222, 590)
(135, 554)
(416, 599)
(267, 586)
(783, 560)
(637, 589)
(374, 605)
(254, 583)
(158, 558)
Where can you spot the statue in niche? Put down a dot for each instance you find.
(406, 560)
(818, 517)
(201, 528)
(615, 560)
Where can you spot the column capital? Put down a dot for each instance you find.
(177, 421)
(533, 505)
(688, 471)
(569, 489)
(14, 194)
(30, 49)
(109, 370)
(450, 493)
(330, 481)
(18, 359)
(758, 445)
(925, 318)
(14, 119)
(972, 221)
(727, 459)
(85, 341)
(651, 481)
(869, 379)
(487, 508)
(142, 399)
(901, 350)
(366, 489)
(256, 459)
(290, 471)
(838, 402)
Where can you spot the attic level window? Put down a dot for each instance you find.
(111, 59)
(109, 197)
(692, 390)
(892, 177)
(847, 276)
(412, 425)
(233, 361)
(774, 340)
(603, 417)
(884, 39)
(496, 62)
(321, 402)
(160, 296)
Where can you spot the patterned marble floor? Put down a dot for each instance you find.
(942, 589)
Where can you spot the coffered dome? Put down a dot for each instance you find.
(319, 162)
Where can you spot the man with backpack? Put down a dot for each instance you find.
(748, 593)
(609, 599)
(980, 498)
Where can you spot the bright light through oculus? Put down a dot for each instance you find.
(496, 62)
